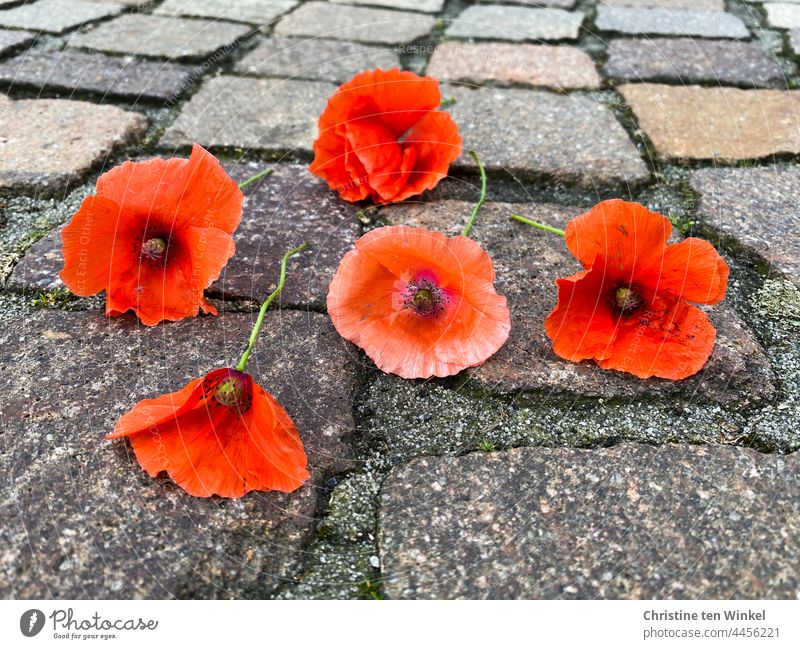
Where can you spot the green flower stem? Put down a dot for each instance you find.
(481, 200)
(256, 177)
(262, 312)
(536, 224)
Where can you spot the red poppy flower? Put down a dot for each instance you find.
(382, 137)
(418, 303)
(154, 236)
(628, 310)
(222, 434)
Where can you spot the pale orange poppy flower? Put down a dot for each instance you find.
(419, 303)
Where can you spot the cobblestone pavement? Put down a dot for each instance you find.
(527, 477)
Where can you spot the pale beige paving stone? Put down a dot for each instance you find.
(259, 12)
(723, 124)
(315, 58)
(349, 23)
(515, 23)
(46, 144)
(555, 66)
(273, 115)
(162, 36)
(134, 4)
(56, 16)
(783, 14)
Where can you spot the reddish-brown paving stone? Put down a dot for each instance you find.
(759, 207)
(317, 58)
(252, 114)
(56, 16)
(108, 76)
(723, 124)
(102, 526)
(629, 522)
(555, 66)
(527, 262)
(282, 211)
(162, 36)
(46, 144)
(364, 24)
(692, 60)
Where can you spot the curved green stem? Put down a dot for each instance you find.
(255, 178)
(536, 224)
(260, 320)
(481, 200)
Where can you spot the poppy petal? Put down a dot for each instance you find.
(208, 448)
(196, 191)
(401, 98)
(373, 131)
(155, 294)
(384, 162)
(436, 143)
(361, 291)
(405, 251)
(582, 324)
(694, 270)
(368, 302)
(209, 250)
(626, 235)
(277, 460)
(673, 344)
(95, 246)
(153, 412)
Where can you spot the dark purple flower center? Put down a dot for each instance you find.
(424, 297)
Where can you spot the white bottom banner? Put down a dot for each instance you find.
(485, 624)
